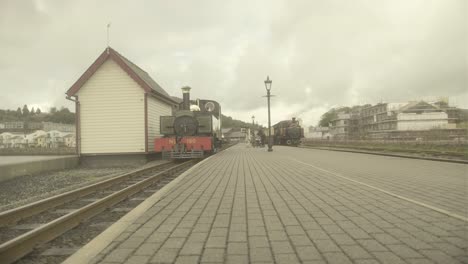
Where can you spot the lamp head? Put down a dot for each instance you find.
(268, 83)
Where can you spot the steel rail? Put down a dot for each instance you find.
(18, 247)
(16, 214)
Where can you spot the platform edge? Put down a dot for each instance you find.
(99, 243)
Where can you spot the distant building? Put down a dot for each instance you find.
(235, 134)
(29, 127)
(49, 126)
(37, 139)
(318, 133)
(31, 140)
(70, 140)
(386, 120)
(14, 125)
(34, 125)
(340, 126)
(11, 140)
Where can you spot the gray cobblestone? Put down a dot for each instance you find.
(164, 255)
(187, 260)
(327, 245)
(282, 247)
(192, 249)
(261, 255)
(216, 242)
(277, 235)
(148, 249)
(388, 257)
(132, 242)
(237, 259)
(337, 257)
(247, 205)
(174, 242)
(137, 260)
(213, 255)
(308, 253)
(343, 239)
(286, 259)
(237, 249)
(404, 251)
(355, 252)
(438, 256)
(118, 255)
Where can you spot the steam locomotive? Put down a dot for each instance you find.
(288, 132)
(193, 131)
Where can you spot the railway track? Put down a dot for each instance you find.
(25, 228)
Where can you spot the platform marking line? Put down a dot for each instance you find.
(386, 192)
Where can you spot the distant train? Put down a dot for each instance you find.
(288, 132)
(193, 131)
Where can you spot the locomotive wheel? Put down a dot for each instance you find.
(288, 142)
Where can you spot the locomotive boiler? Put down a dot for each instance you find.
(288, 132)
(193, 131)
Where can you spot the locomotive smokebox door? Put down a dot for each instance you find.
(167, 125)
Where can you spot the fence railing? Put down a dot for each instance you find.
(456, 142)
(455, 148)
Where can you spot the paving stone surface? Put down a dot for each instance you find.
(246, 205)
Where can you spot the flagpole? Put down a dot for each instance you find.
(108, 28)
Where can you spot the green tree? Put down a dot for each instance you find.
(326, 118)
(38, 111)
(18, 112)
(62, 116)
(33, 111)
(25, 110)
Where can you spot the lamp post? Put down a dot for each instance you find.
(268, 88)
(252, 132)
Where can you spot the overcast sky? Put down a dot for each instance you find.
(319, 53)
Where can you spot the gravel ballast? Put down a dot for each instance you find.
(30, 188)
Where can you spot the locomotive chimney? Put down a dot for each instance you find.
(294, 119)
(186, 94)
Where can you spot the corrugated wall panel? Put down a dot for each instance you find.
(156, 109)
(112, 112)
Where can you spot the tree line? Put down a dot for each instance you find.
(26, 114)
(229, 122)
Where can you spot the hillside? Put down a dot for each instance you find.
(229, 122)
(62, 115)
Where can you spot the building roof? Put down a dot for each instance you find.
(136, 73)
(225, 130)
(177, 99)
(418, 106)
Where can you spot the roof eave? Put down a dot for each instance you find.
(162, 97)
(88, 73)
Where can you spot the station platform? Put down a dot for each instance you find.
(293, 205)
(14, 166)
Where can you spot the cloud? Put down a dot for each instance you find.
(319, 54)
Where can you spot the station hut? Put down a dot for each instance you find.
(118, 107)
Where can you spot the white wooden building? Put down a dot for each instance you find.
(118, 106)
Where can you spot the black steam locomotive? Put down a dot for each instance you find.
(193, 131)
(288, 132)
